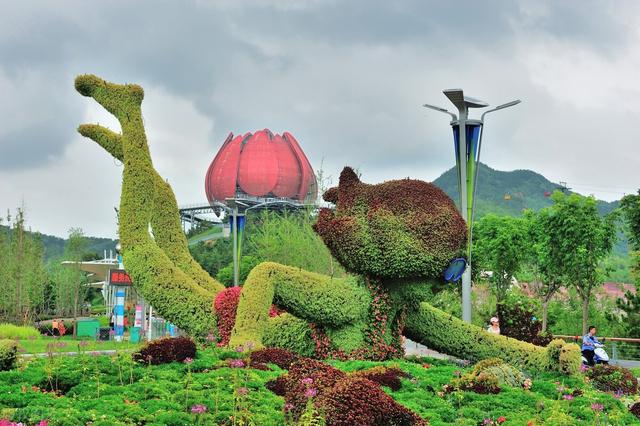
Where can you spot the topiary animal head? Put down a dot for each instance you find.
(396, 229)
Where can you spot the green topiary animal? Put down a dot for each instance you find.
(397, 237)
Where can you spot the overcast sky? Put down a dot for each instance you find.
(347, 78)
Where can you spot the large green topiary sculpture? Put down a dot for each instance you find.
(397, 236)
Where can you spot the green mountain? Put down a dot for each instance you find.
(54, 246)
(509, 193)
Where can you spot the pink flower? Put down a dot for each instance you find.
(236, 363)
(583, 368)
(487, 421)
(211, 337)
(288, 406)
(188, 360)
(43, 423)
(597, 406)
(240, 349)
(243, 391)
(307, 381)
(501, 419)
(568, 397)
(311, 392)
(199, 409)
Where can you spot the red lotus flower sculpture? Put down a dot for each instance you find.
(261, 164)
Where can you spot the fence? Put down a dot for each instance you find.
(618, 348)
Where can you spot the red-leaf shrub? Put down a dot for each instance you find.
(343, 399)
(165, 350)
(635, 409)
(279, 385)
(359, 401)
(384, 376)
(611, 378)
(518, 320)
(280, 357)
(226, 304)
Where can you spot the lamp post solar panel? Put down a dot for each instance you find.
(467, 144)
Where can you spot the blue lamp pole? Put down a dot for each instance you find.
(467, 146)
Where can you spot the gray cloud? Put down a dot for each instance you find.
(347, 78)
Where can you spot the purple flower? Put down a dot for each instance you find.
(61, 344)
(583, 368)
(236, 363)
(568, 397)
(307, 381)
(618, 394)
(250, 345)
(597, 406)
(83, 343)
(199, 409)
(112, 332)
(240, 349)
(310, 392)
(487, 422)
(211, 337)
(560, 388)
(188, 360)
(242, 391)
(95, 353)
(288, 406)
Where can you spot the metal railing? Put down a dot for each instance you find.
(618, 348)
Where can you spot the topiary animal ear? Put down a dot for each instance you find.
(348, 177)
(331, 195)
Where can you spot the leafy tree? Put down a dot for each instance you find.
(630, 206)
(75, 251)
(288, 238)
(545, 259)
(22, 273)
(580, 239)
(213, 255)
(500, 244)
(247, 263)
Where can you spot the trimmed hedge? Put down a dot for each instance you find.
(396, 229)
(160, 266)
(288, 332)
(445, 333)
(8, 354)
(612, 378)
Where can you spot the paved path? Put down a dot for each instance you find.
(103, 352)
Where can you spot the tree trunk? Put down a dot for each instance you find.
(545, 311)
(75, 310)
(585, 314)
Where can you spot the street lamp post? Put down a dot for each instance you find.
(467, 139)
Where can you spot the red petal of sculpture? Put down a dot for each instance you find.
(308, 181)
(221, 177)
(289, 170)
(258, 171)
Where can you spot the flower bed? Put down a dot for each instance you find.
(218, 384)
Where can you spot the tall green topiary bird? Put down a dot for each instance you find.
(396, 238)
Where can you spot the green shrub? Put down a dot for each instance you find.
(11, 331)
(8, 354)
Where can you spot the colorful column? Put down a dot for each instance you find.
(119, 311)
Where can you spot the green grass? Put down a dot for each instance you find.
(112, 390)
(68, 344)
(11, 331)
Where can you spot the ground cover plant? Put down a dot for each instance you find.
(218, 386)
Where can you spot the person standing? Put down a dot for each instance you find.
(495, 326)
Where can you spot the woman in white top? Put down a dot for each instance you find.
(495, 326)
